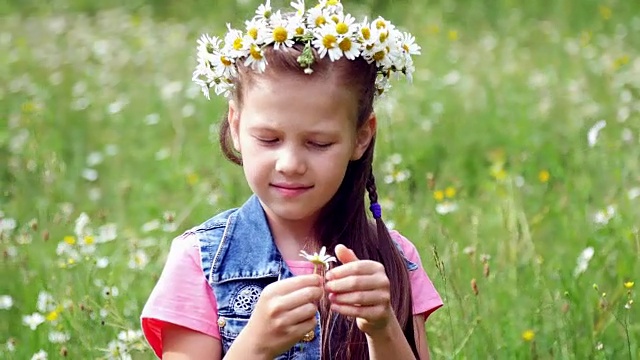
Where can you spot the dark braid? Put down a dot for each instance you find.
(384, 245)
(371, 187)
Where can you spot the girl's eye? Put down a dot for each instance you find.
(267, 140)
(320, 145)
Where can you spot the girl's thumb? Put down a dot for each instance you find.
(344, 254)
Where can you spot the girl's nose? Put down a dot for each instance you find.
(290, 162)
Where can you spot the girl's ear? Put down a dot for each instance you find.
(233, 118)
(364, 135)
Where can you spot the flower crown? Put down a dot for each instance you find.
(324, 27)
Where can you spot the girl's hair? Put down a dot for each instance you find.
(343, 220)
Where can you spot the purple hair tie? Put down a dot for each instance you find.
(376, 210)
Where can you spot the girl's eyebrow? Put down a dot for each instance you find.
(267, 128)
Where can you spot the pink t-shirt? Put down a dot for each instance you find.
(183, 297)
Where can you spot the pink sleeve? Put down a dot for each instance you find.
(181, 296)
(424, 295)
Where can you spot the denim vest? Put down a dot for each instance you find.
(239, 258)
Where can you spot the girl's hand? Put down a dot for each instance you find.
(360, 289)
(284, 313)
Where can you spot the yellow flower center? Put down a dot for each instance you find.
(379, 55)
(253, 32)
(335, 19)
(88, 240)
(405, 47)
(342, 28)
(333, 2)
(329, 41)
(383, 36)
(237, 44)
(320, 20)
(267, 14)
(380, 24)
(225, 61)
(70, 240)
(280, 34)
(345, 44)
(366, 33)
(299, 31)
(255, 53)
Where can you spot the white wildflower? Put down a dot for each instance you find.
(583, 261)
(6, 302)
(33, 320)
(592, 136)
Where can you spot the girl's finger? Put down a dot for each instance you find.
(297, 298)
(358, 283)
(299, 315)
(362, 298)
(370, 313)
(301, 329)
(360, 267)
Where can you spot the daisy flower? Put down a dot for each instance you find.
(318, 259)
(297, 25)
(344, 24)
(299, 6)
(326, 41)
(380, 23)
(255, 29)
(317, 17)
(264, 11)
(408, 44)
(222, 87)
(379, 54)
(349, 48)
(279, 33)
(256, 59)
(223, 66)
(208, 45)
(382, 84)
(234, 43)
(333, 6)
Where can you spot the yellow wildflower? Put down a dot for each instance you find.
(450, 192)
(605, 12)
(543, 176)
(628, 285)
(438, 195)
(528, 335)
(53, 316)
(70, 240)
(192, 178)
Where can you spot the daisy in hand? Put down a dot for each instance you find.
(318, 259)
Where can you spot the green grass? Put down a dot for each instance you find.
(503, 92)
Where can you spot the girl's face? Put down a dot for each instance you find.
(296, 135)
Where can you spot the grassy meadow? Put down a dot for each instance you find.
(512, 162)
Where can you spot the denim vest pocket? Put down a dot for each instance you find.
(230, 328)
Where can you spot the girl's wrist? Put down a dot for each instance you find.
(386, 333)
(243, 347)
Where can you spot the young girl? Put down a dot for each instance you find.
(301, 88)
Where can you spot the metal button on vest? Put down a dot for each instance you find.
(309, 336)
(222, 322)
